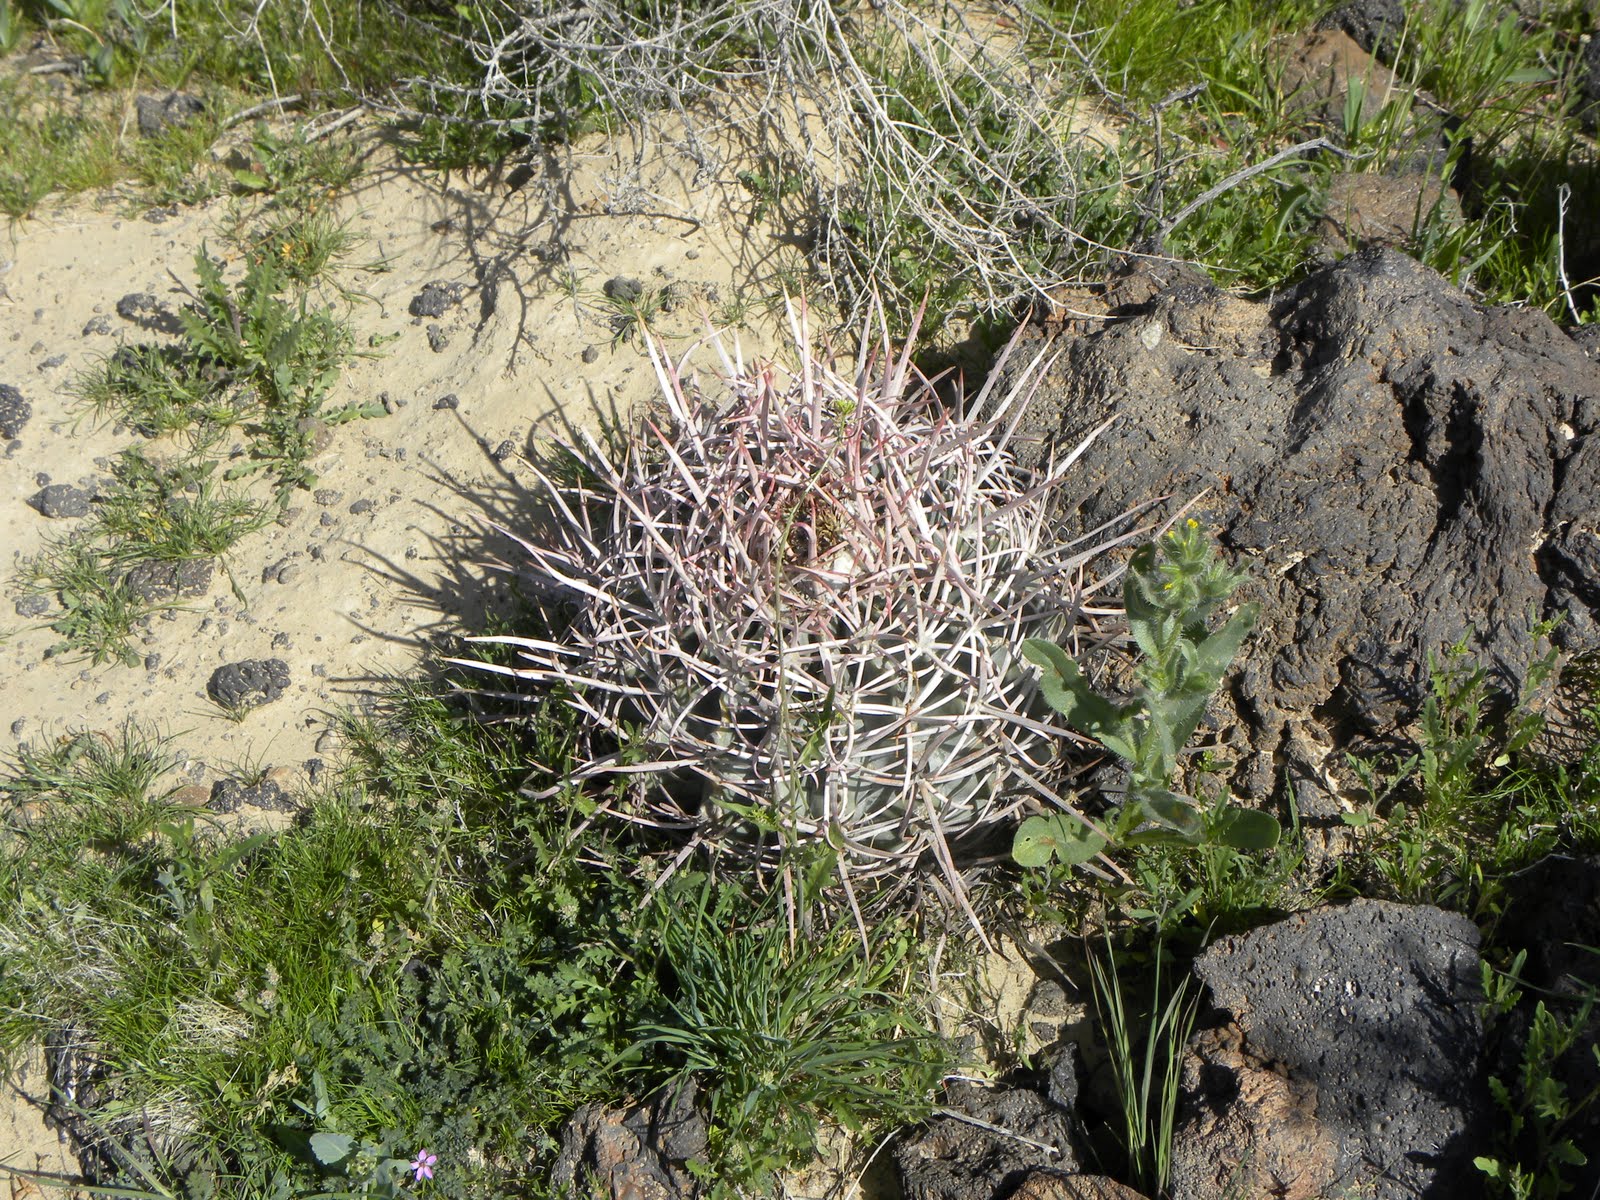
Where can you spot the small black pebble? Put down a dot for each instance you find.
(136, 304)
(448, 401)
(14, 412)
(438, 339)
(623, 289)
(61, 500)
(32, 605)
(360, 507)
(435, 298)
(590, 354)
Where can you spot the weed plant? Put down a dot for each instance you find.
(1533, 1148)
(1475, 801)
(425, 960)
(257, 354)
(1146, 1052)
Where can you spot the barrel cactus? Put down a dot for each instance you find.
(796, 605)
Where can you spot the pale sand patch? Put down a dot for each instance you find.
(348, 598)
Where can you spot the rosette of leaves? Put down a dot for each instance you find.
(793, 608)
(1171, 589)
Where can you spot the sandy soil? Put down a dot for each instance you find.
(389, 550)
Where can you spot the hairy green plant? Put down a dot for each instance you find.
(1171, 589)
(284, 355)
(294, 170)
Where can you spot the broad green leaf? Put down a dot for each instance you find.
(1066, 691)
(1061, 837)
(1245, 829)
(1176, 812)
(332, 1148)
(1217, 652)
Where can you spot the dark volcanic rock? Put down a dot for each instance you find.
(1064, 1185)
(1395, 466)
(955, 1160)
(637, 1153)
(435, 299)
(14, 412)
(1341, 1056)
(159, 113)
(229, 795)
(61, 500)
(33, 604)
(135, 305)
(147, 312)
(248, 684)
(623, 289)
(1374, 25)
(1587, 338)
(155, 582)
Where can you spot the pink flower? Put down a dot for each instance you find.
(422, 1168)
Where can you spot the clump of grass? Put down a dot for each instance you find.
(782, 1030)
(175, 166)
(58, 150)
(426, 960)
(157, 390)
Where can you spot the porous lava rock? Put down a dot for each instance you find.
(230, 795)
(153, 581)
(635, 1153)
(14, 412)
(1063, 1185)
(61, 500)
(1395, 465)
(1341, 1055)
(437, 298)
(157, 114)
(1009, 1132)
(249, 683)
(1375, 25)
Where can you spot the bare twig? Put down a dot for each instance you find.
(261, 110)
(1563, 198)
(956, 1114)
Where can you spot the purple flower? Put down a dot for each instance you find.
(422, 1168)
